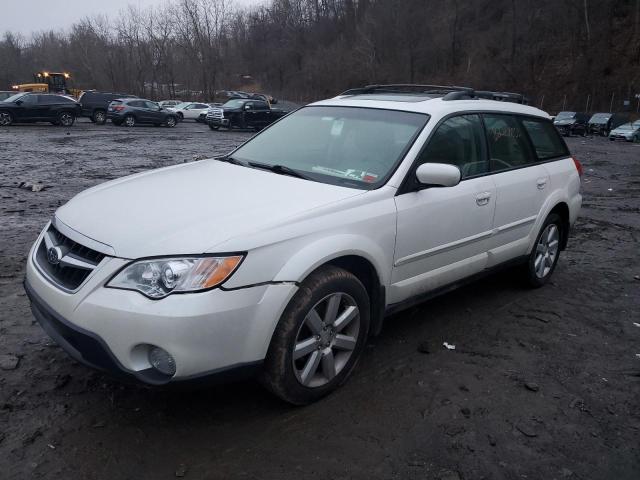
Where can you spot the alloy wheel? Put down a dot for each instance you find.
(326, 340)
(547, 250)
(100, 117)
(66, 119)
(5, 119)
(171, 122)
(130, 121)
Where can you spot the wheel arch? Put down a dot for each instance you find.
(562, 210)
(363, 261)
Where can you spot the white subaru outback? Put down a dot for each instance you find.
(281, 258)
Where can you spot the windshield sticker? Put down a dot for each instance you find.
(336, 128)
(359, 175)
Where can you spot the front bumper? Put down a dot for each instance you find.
(215, 333)
(618, 136)
(219, 122)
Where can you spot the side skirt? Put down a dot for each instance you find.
(423, 297)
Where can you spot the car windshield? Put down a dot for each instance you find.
(15, 97)
(350, 146)
(181, 105)
(237, 103)
(565, 115)
(600, 118)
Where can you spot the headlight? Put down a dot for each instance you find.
(159, 277)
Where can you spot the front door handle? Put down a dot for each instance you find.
(541, 183)
(483, 198)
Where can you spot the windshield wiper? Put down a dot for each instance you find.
(280, 169)
(230, 159)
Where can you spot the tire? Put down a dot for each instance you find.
(171, 122)
(66, 119)
(546, 251)
(213, 127)
(129, 121)
(99, 117)
(6, 119)
(329, 348)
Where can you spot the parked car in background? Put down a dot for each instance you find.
(243, 113)
(39, 107)
(571, 123)
(629, 132)
(94, 104)
(603, 123)
(169, 103)
(4, 94)
(132, 111)
(202, 118)
(283, 257)
(189, 110)
(238, 94)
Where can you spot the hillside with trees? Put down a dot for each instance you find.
(580, 54)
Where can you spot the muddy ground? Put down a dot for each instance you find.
(543, 384)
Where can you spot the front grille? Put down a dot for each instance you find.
(66, 263)
(215, 113)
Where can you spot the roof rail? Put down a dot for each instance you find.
(448, 92)
(406, 88)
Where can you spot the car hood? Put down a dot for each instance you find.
(191, 208)
(623, 131)
(568, 121)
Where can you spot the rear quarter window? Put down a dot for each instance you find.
(545, 139)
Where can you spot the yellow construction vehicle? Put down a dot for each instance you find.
(48, 82)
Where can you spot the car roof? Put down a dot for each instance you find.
(434, 106)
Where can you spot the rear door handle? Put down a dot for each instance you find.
(541, 183)
(483, 198)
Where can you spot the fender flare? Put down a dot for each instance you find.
(322, 251)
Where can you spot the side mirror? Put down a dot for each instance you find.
(438, 174)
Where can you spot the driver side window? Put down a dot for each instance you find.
(458, 141)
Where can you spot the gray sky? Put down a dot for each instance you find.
(34, 15)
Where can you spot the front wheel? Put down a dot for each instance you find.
(99, 117)
(171, 122)
(6, 119)
(319, 338)
(546, 251)
(66, 119)
(214, 127)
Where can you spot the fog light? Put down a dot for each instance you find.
(162, 361)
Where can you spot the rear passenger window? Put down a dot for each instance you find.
(508, 145)
(545, 139)
(458, 141)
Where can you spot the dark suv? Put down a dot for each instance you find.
(94, 104)
(131, 111)
(39, 107)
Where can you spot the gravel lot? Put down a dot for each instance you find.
(542, 384)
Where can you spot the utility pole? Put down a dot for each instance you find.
(611, 105)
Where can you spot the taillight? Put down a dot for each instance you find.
(578, 166)
(119, 108)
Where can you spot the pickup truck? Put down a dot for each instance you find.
(243, 113)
